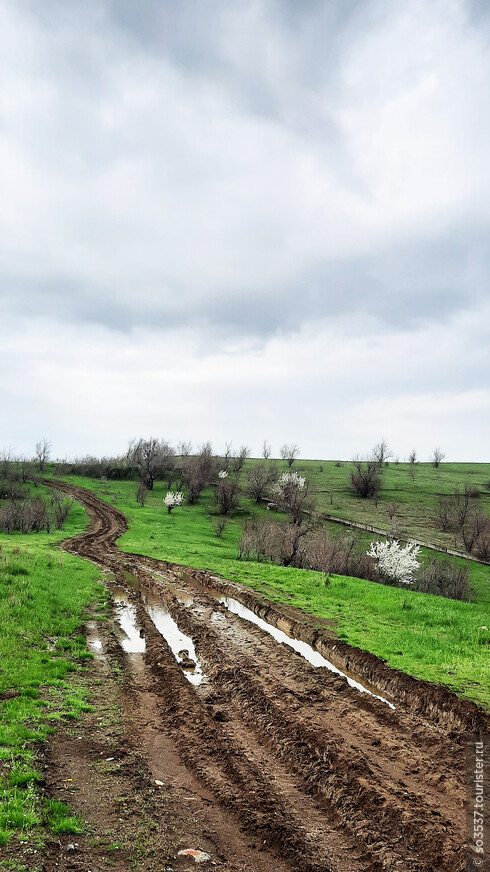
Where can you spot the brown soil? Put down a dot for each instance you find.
(269, 764)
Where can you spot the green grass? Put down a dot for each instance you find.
(417, 499)
(44, 594)
(59, 818)
(427, 637)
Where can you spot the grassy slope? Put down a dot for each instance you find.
(428, 637)
(417, 499)
(43, 596)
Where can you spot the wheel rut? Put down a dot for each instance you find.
(315, 774)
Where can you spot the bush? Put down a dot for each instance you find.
(444, 578)
(305, 547)
(366, 478)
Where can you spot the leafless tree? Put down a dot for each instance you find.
(184, 449)
(226, 459)
(366, 478)
(342, 555)
(437, 457)
(289, 452)
(260, 477)
(266, 450)
(381, 453)
(412, 457)
(197, 472)
(226, 494)
(240, 458)
(307, 546)
(141, 493)
(274, 541)
(5, 462)
(43, 451)
(445, 513)
(475, 532)
(220, 526)
(393, 510)
(25, 469)
(444, 578)
(151, 457)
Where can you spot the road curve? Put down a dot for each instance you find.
(321, 777)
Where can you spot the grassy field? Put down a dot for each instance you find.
(426, 636)
(417, 499)
(44, 594)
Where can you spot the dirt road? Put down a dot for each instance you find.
(265, 762)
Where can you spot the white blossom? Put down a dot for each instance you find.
(222, 473)
(396, 562)
(293, 479)
(173, 499)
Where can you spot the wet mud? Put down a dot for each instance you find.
(310, 771)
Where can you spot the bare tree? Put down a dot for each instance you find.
(184, 449)
(412, 459)
(260, 477)
(393, 510)
(226, 459)
(366, 478)
(445, 514)
(266, 450)
(475, 532)
(289, 452)
(226, 495)
(381, 453)
(151, 457)
(240, 458)
(342, 555)
(141, 493)
(197, 472)
(437, 457)
(444, 578)
(43, 451)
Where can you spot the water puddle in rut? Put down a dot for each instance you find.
(182, 646)
(132, 641)
(310, 654)
(94, 643)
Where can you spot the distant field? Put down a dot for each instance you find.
(426, 636)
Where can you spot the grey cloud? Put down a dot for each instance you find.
(400, 288)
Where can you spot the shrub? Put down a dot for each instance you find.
(444, 578)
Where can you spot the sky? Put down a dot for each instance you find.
(233, 222)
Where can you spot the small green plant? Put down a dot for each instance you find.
(60, 820)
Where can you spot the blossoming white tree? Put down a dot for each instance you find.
(173, 499)
(397, 563)
(292, 496)
(291, 479)
(222, 473)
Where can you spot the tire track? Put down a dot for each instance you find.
(327, 777)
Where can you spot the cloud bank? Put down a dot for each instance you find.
(258, 221)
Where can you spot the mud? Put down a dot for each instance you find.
(289, 766)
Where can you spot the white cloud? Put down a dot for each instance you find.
(275, 230)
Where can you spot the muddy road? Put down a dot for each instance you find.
(281, 765)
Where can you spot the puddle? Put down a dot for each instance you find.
(133, 641)
(93, 642)
(182, 646)
(183, 596)
(310, 654)
(131, 579)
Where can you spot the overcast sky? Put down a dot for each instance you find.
(265, 219)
